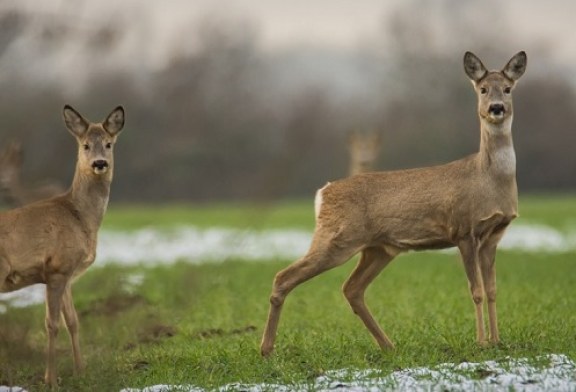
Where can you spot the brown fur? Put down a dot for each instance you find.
(53, 241)
(466, 204)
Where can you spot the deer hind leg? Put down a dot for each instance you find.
(372, 262)
(71, 320)
(4, 272)
(470, 257)
(319, 258)
(55, 287)
(488, 267)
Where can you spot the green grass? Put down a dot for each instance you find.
(299, 214)
(555, 210)
(201, 324)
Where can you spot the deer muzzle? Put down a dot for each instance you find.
(100, 166)
(496, 109)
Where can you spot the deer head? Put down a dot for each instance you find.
(95, 140)
(494, 88)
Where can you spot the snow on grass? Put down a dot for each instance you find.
(11, 389)
(152, 246)
(555, 372)
(27, 296)
(537, 238)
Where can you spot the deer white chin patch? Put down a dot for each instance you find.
(496, 118)
(100, 171)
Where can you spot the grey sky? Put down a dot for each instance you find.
(157, 31)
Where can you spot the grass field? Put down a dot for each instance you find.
(554, 210)
(201, 324)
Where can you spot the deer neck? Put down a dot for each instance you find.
(496, 153)
(89, 195)
(359, 166)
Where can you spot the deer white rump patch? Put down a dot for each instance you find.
(318, 200)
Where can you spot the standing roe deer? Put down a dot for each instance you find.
(16, 194)
(363, 148)
(467, 203)
(54, 241)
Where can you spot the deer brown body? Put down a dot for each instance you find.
(54, 241)
(467, 204)
(14, 192)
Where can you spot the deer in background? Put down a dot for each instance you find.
(13, 191)
(363, 149)
(466, 203)
(53, 241)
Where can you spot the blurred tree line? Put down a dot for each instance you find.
(229, 120)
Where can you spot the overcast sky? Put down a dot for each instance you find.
(154, 31)
(342, 23)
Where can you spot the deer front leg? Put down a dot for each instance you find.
(488, 266)
(470, 257)
(71, 320)
(317, 260)
(371, 263)
(55, 287)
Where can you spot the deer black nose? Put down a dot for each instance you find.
(99, 164)
(496, 108)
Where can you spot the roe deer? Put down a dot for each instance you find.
(363, 148)
(53, 241)
(467, 203)
(15, 194)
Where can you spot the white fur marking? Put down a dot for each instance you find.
(505, 160)
(318, 201)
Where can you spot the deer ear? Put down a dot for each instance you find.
(75, 123)
(474, 67)
(115, 121)
(516, 66)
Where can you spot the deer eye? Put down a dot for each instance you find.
(86, 147)
(108, 145)
(483, 90)
(507, 90)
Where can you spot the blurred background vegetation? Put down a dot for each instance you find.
(218, 110)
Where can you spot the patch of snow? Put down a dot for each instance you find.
(556, 372)
(11, 389)
(510, 374)
(27, 296)
(132, 282)
(194, 245)
(165, 388)
(537, 238)
(151, 246)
